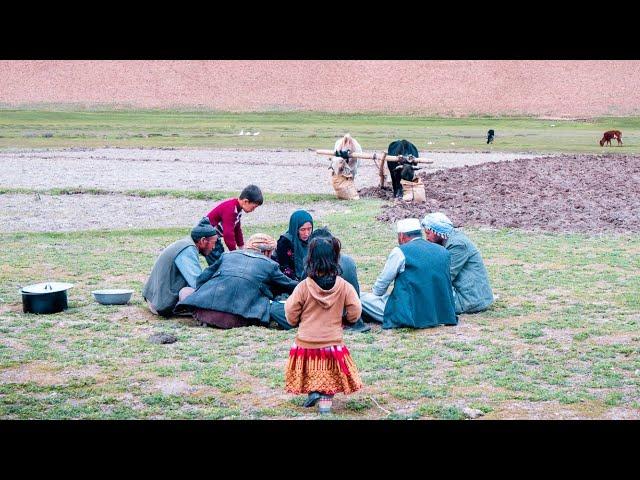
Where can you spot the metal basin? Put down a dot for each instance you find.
(114, 296)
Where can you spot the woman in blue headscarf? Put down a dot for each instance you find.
(293, 245)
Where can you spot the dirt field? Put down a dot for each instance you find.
(151, 169)
(118, 169)
(569, 193)
(23, 212)
(555, 88)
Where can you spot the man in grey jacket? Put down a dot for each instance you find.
(237, 289)
(471, 288)
(174, 274)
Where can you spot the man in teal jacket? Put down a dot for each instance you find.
(470, 281)
(422, 296)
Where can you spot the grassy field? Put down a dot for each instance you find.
(562, 341)
(210, 195)
(163, 129)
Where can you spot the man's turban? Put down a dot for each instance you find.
(260, 242)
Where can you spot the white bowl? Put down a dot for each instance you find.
(115, 296)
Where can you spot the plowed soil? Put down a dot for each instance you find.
(565, 194)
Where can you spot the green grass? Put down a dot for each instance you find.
(212, 195)
(301, 130)
(563, 336)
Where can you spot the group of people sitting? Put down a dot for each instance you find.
(304, 281)
(435, 278)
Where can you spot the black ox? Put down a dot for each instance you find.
(405, 167)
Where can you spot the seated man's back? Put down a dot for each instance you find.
(166, 281)
(422, 295)
(469, 275)
(239, 284)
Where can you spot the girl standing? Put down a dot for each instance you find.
(319, 362)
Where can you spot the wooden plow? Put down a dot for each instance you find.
(375, 156)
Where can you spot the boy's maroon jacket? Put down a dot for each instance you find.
(227, 214)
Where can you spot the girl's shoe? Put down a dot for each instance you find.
(359, 326)
(312, 399)
(325, 404)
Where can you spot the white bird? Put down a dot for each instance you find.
(241, 132)
(257, 133)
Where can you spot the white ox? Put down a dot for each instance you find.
(340, 166)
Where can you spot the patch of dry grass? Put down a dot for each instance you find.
(553, 346)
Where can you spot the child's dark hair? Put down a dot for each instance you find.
(323, 257)
(321, 233)
(253, 194)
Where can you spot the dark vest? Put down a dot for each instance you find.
(165, 280)
(422, 296)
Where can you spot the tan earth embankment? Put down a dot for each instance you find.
(546, 88)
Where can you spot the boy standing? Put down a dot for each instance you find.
(225, 217)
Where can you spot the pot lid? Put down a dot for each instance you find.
(47, 287)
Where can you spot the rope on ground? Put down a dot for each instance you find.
(378, 405)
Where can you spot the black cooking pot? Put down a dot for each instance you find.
(45, 297)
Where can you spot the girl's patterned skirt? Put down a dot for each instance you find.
(327, 370)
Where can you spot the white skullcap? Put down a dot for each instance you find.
(408, 225)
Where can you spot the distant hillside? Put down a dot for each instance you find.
(452, 88)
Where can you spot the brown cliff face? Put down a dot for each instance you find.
(551, 88)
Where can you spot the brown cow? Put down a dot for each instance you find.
(611, 134)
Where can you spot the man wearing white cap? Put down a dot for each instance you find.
(422, 296)
(471, 289)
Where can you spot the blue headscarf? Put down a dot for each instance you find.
(300, 248)
(439, 223)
